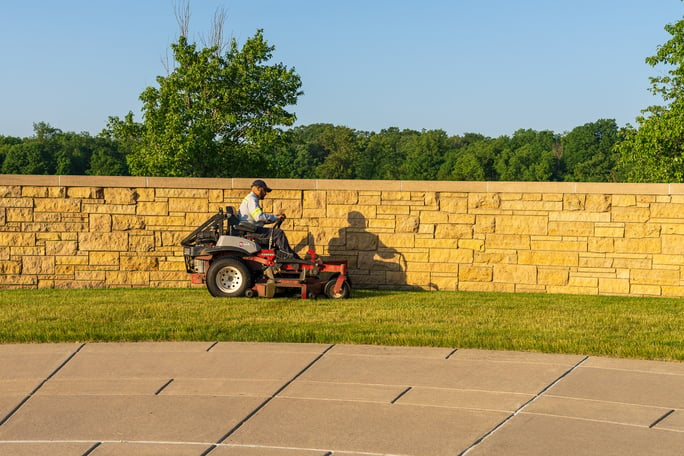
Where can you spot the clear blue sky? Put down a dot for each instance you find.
(483, 66)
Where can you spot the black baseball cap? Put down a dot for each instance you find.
(262, 184)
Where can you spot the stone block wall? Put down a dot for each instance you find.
(607, 239)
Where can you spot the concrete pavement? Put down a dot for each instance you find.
(226, 399)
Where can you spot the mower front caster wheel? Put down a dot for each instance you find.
(344, 292)
(228, 277)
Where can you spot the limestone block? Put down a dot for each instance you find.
(571, 228)
(443, 283)
(142, 243)
(645, 245)
(518, 224)
(485, 224)
(57, 205)
(27, 191)
(473, 244)
(13, 239)
(613, 286)
(601, 245)
(120, 195)
(470, 273)
(672, 244)
(616, 230)
(511, 241)
(453, 205)
(548, 258)
(629, 262)
(138, 263)
(630, 214)
(643, 230)
(166, 222)
(180, 205)
(395, 209)
(407, 224)
(182, 193)
(400, 240)
(453, 231)
(115, 241)
(484, 201)
(513, 273)
(451, 255)
(598, 203)
(645, 290)
(352, 212)
(10, 267)
(574, 202)
(75, 259)
(16, 202)
(104, 258)
(342, 197)
(553, 276)
(434, 217)
(655, 276)
(667, 211)
(558, 245)
(154, 208)
(133, 278)
(100, 222)
(395, 196)
(85, 192)
(91, 276)
(16, 214)
(38, 265)
(62, 248)
(492, 287)
(623, 200)
(379, 261)
(128, 222)
(15, 191)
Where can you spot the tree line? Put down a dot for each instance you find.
(222, 111)
(326, 151)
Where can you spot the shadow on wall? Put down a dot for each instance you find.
(371, 263)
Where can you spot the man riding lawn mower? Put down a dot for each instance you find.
(238, 256)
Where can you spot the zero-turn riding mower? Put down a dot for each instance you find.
(221, 253)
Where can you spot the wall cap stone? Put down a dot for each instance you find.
(345, 184)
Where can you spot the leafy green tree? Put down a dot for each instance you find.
(655, 151)
(343, 148)
(425, 154)
(587, 152)
(28, 157)
(527, 157)
(213, 115)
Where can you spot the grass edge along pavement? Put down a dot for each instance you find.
(622, 327)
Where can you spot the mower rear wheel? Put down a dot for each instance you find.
(228, 277)
(344, 292)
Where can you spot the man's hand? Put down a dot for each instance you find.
(282, 216)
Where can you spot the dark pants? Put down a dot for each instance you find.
(263, 234)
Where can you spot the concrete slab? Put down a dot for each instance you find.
(514, 375)
(536, 435)
(147, 449)
(344, 426)
(45, 448)
(319, 400)
(656, 385)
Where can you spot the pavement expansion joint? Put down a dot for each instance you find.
(40, 385)
(661, 419)
(522, 407)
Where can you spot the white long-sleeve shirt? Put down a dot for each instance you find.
(250, 211)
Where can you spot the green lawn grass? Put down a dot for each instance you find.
(648, 328)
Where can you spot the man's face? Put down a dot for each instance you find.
(260, 192)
